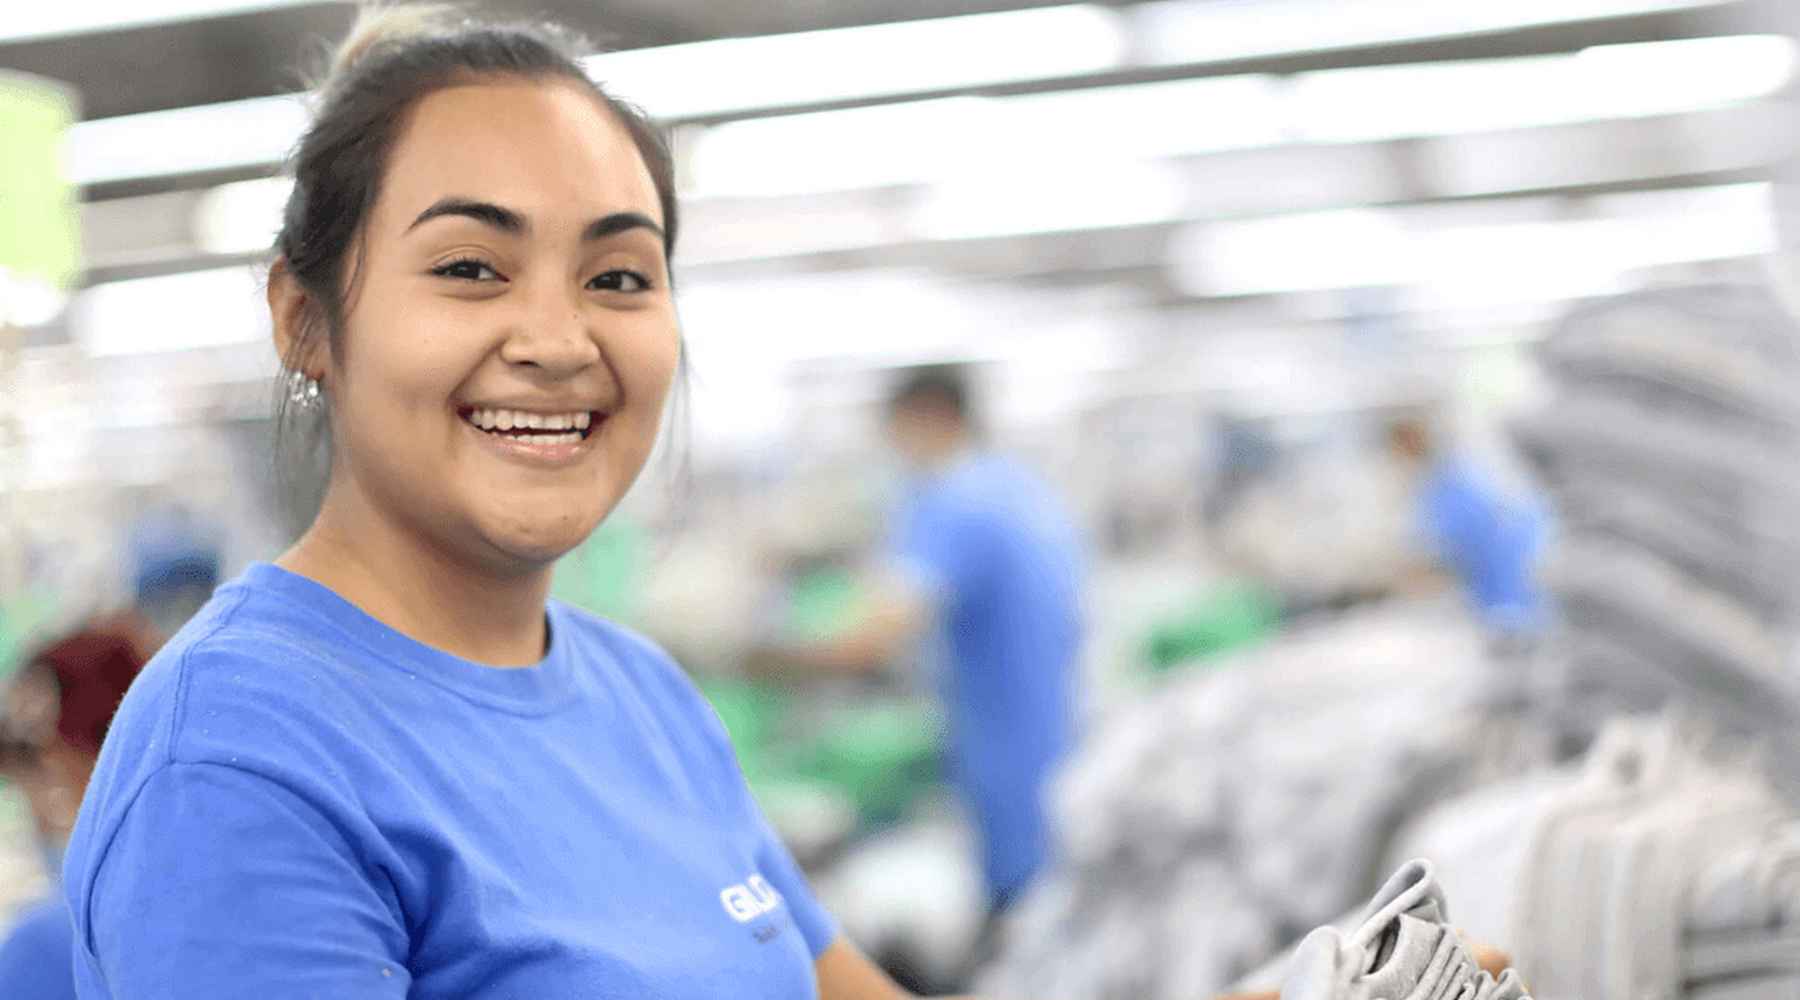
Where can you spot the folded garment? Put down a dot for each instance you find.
(1768, 988)
(1739, 317)
(1752, 884)
(1735, 954)
(1403, 949)
(1697, 372)
(1621, 437)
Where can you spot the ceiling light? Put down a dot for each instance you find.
(257, 132)
(243, 217)
(1513, 257)
(1063, 197)
(925, 142)
(928, 141)
(906, 57)
(44, 20)
(1603, 83)
(1190, 31)
(171, 313)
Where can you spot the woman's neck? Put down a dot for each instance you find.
(399, 578)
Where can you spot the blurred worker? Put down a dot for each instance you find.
(986, 559)
(56, 712)
(175, 567)
(1488, 540)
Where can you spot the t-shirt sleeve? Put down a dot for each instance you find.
(220, 882)
(773, 860)
(777, 865)
(937, 547)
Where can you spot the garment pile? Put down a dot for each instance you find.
(1220, 817)
(1672, 452)
(1661, 867)
(1403, 948)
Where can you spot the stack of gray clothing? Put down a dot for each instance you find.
(1226, 813)
(1672, 450)
(1742, 938)
(1662, 867)
(1403, 949)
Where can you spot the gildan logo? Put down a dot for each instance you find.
(750, 899)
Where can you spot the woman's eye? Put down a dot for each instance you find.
(466, 270)
(620, 281)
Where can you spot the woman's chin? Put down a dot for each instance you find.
(529, 547)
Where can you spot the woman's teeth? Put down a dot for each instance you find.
(506, 420)
(537, 428)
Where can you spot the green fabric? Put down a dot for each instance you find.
(1226, 619)
(754, 715)
(823, 603)
(39, 237)
(884, 755)
(19, 623)
(604, 574)
(880, 756)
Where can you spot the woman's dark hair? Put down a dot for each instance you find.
(393, 58)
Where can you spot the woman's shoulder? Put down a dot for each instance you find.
(242, 680)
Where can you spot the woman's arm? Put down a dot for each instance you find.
(846, 974)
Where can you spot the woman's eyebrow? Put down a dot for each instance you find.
(504, 219)
(619, 222)
(515, 223)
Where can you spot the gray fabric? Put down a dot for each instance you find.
(1671, 449)
(1658, 853)
(1621, 858)
(1771, 988)
(1478, 844)
(1231, 811)
(1750, 884)
(1403, 949)
(1558, 923)
(1735, 954)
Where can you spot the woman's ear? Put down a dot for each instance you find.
(293, 312)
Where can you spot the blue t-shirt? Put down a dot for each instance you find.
(1489, 540)
(999, 555)
(298, 801)
(37, 958)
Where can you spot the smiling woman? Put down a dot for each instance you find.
(387, 765)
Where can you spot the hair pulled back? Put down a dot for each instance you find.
(393, 58)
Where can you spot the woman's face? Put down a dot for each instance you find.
(510, 338)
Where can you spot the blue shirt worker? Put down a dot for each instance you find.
(57, 709)
(386, 764)
(989, 566)
(1489, 541)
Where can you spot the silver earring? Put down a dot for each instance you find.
(303, 391)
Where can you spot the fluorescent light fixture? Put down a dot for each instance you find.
(735, 74)
(1064, 197)
(171, 313)
(1472, 262)
(42, 20)
(242, 217)
(1598, 84)
(937, 140)
(767, 323)
(250, 133)
(1198, 31)
(1027, 135)
(1316, 250)
(924, 141)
